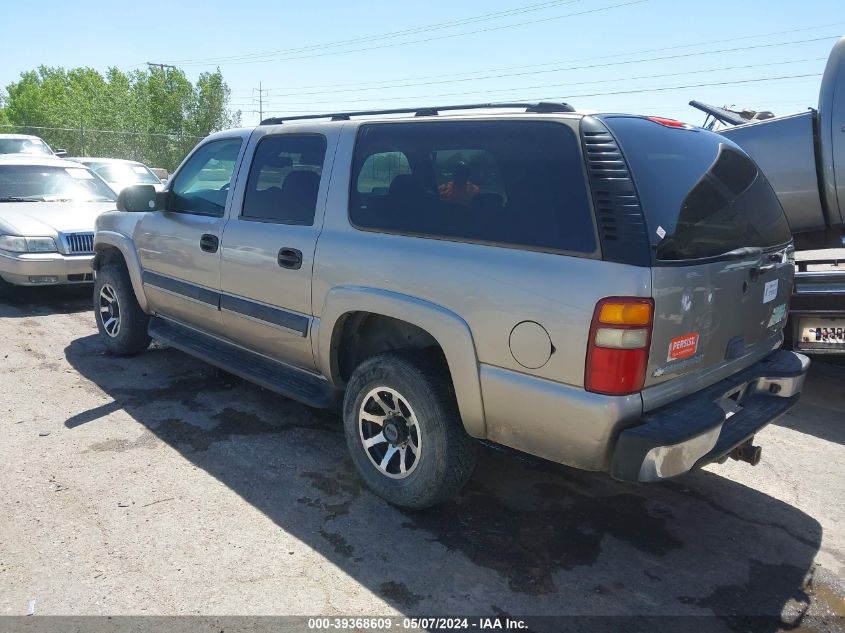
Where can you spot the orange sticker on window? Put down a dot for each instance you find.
(683, 346)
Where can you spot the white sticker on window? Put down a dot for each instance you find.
(139, 170)
(661, 232)
(770, 291)
(79, 174)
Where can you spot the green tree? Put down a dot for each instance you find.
(154, 115)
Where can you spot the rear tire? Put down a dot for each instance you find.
(404, 431)
(121, 321)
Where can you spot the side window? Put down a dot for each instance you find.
(284, 179)
(514, 183)
(201, 186)
(379, 170)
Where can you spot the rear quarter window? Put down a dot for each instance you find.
(511, 183)
(701, 195)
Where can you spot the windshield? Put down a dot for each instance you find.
(126, 173)
(701, 194)
(24, 146)
(47, 183)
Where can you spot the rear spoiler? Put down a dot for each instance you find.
(720, 114)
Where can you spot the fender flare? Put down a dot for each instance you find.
(130, 256)
(449, 330)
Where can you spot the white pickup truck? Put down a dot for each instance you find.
(803, 157)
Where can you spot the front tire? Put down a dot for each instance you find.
(121, 321)
(404, 431)
(6, 289)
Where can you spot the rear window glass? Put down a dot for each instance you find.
(701, 195)
(518, 183)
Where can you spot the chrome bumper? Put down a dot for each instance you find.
(38, 269)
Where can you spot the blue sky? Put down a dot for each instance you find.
(577, 50)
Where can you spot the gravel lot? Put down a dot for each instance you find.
(160, 485)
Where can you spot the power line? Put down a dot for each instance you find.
(701, 85)
(642, 90)
(460, 76)
(76, 129)
(567, 68)
(392, 34)
(424, 40)
(596, 81)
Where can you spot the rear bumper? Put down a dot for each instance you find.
(706, 426)
(38, 269)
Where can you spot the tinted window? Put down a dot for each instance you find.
(201, 186)
(284, 179)
(701, 195)
(506, 182)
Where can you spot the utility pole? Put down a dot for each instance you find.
(161, 66)
(261, 92)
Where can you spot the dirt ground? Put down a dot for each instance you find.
(159, 485)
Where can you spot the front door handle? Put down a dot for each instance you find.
(209, 243)
(290, 258)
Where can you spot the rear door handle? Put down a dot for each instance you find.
(209, 243)
(290, 258)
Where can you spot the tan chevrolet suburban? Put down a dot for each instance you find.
(603, 291)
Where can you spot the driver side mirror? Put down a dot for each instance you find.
(137, 199)
(61, 153)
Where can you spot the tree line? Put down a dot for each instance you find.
(155, 116)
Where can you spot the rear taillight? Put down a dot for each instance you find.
(617, 351)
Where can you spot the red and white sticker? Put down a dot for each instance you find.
(683, 346)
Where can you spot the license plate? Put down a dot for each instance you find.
(818, 333)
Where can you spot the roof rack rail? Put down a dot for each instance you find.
(542, 107)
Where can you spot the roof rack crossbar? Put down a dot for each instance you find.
(542, 107)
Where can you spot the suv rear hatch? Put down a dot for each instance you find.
(720, 249)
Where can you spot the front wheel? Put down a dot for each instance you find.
(121, 321)
(404, 432)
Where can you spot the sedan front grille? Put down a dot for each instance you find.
(79, 243)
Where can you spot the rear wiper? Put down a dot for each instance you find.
(20, 199)
(741, 253)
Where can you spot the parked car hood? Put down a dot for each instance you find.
(49, 218)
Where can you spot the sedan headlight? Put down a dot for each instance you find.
(16, 244)
(41, 245)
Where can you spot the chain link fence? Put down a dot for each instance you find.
(153, 149)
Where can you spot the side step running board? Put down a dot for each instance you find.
(282, 379)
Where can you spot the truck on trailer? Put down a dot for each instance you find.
(803, 157)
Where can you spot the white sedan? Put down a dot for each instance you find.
(121, 173)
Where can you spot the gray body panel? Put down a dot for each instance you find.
(722, 303)
(803, 155)
(832, 134)
(785, 149)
